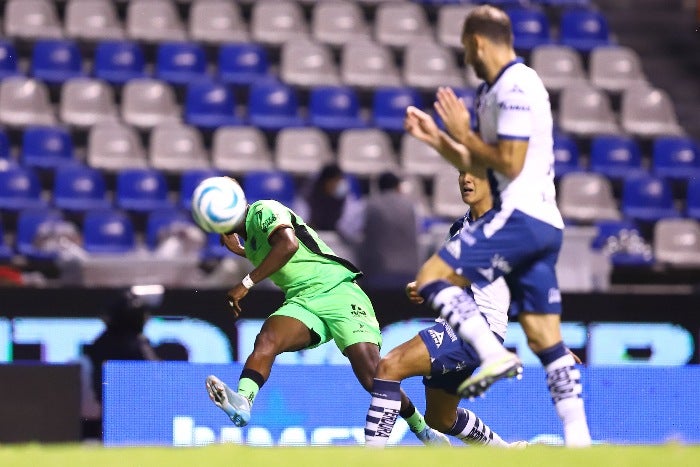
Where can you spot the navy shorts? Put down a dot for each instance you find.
(514, 245)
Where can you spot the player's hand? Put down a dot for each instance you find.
(421, 126)
(412, 293)
(233, 243)
(234, 297)
(453, 113)
(576, 358)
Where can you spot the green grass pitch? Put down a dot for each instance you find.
(35, 455)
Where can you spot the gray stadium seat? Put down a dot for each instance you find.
(615, 68)
(586, 111)
(677, 242)
(417, 158)
(174, 147)
(338, 22)
(274, 22)
(302, 151)
(240, 149)
(648, 112)
(217, 21)
(25, 101)
(450, 21)
(32, 19)
(428, 65)
(399, 24)
(447, 200)
(557, 65)
(93, 20)
(368, 65)
(587, 197)
(366, 152)
(114, 146)
(154, 21)
(148, 102)
(306, 63)
(87, 101)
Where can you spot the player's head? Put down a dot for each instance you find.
(475, 188)
(484, 28)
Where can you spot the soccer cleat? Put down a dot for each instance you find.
(236, 406)
(507, 366)
(518, 445)
(431, 437)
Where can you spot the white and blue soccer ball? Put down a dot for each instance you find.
(218, 204)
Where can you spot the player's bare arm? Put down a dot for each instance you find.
(420, 125)
(232, 242)
(435, 269)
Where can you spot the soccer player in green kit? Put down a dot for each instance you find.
(322, 302)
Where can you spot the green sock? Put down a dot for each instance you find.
(248, 389)
(416, 422)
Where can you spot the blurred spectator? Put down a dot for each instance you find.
(327, 198)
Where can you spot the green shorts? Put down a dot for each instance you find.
(344, 314)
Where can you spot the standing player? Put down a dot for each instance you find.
(322, 302)
(437, 354)
(523, 239)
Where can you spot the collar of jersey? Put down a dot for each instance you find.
(503, 70)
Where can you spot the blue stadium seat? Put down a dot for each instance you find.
(163, 218)
(142, 190)
(335, 108)
(676, 157)
(583, 29)
(692, 201)
(566, 155)
(623, 242)
(20, 189)
(273, 184)
(213, 249)
(647, 199)
(8, 59)
(108, 231)
(189, 179)
(180, 63)
(119, 61)
(209, 105)
(242, 63)
(530, 28)
(56, 61)
(616, 156)
(80, 188)
(47, 147)
(389, 106)
(5, 249)
(28, 223)
(5, 153)
(273, 105)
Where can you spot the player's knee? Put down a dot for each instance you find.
(266, 344)
(440, 421)
(385, 366)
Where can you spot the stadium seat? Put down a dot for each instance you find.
(9, 65)
(368, 65)
(240, 149)
(31, 20)
(530, 28)
(418, 158)
(566, 155)
(214, 250)
(147, 102)
(338, 23)
(87, 101)
(25, 101)
(587, 197)
(450, 21)
(80, 188)
(335, 108)
(692, 201)
(428, 65)
(175, 147)
(622, 242)
(242, 63)
(399, 24)
(272, 184)
(389, 106)
(274, 22)
(647, 199)
(557, 65)
(5, 149)
(273, 105)
(586, 111)
(676, 157)
(583, 29)
(366, 152)
(217, 22)
(114, 146)
(119, 61)
(189, 179)
(93, 20)
(162, 219)
(141, 190)
(108, 232)
(154, 21)
(56, 61)
(616, 156)
(6, 252)
(615, 68)
(677, 242)
(302, 151)
(29, 221)
(648, 112)
(209, 105)
(47, 147)
(180, 63)
(20, 189)
(447, 201)
(305, 64)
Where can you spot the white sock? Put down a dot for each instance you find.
(564, 382)
(383, 412)
(472, 430)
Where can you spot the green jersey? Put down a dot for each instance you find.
(313, 269)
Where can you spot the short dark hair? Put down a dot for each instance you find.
(388, 181)
(490, 22)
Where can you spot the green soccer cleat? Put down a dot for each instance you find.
(431, 437)
(236, 406)
(506, 366)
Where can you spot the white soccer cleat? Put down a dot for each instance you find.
(506, 366)
(518, 445)
(432, 437)
(236, 406)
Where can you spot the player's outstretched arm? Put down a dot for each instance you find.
(420, 125)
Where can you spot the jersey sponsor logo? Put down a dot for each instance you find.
(454, 248)
(554, 296)
(267, 223)
(450, 332)
(357, 310)
(518, 107)
(436, 336)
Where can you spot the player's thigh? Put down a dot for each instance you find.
(298, 317)
(435, 269)
(408, 359)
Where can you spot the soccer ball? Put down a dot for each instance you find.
(218, 204)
